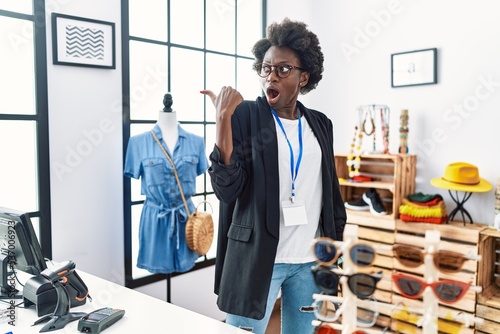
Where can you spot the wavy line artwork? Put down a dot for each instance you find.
(84, 42)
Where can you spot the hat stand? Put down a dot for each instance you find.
(460, 206)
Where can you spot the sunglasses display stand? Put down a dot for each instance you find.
(349, 299)
(430, 318)
(349, 317)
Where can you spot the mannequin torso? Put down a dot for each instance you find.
(167, 121)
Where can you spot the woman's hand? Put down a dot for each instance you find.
(225, 104)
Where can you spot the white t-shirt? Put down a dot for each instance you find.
(295, 242)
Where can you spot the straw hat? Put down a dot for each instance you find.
(462, 176)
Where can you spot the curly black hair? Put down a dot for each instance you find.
(296, 36)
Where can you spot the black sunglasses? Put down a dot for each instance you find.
(361, 284)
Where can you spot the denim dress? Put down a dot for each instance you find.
(162, 228)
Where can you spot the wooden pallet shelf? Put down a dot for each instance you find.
(393, 177)
(488, 305)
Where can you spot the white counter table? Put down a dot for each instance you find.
(143, 314)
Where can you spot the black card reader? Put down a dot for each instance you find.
(98, 320)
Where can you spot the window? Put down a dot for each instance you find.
(24, 138)
(182, 47)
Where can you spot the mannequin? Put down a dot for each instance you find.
(167, 121)
(162, 238)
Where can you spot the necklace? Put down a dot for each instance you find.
(354, 156)
(384, 120)
(403, 132)
(372, 123)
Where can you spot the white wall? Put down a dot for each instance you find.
(87, 202)
(85, 125)
(465, 35)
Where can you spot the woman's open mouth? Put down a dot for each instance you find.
(272, 94)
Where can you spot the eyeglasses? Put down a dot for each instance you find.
(446, 291)
(361, 284)
(282, 71)
(444, 260)
(327, 253)
(326, 308)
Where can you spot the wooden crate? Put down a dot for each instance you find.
(454, 236)
(393, 177)
(488, 305)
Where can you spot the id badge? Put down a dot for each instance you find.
(294, 213)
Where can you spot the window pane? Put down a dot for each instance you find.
(209, 146)
(186, 81)
(148, 21)
(136, 218)
(248, 83)
(35, 221)
(214, 202)
(249, 29)
(220, 72)
(186, 22)
(18, 169)
(197, 129)
(148, 79)
(17, 65)
(20, 6)
(220, 26)
(135, 185)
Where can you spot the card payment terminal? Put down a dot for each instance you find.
(99, 320)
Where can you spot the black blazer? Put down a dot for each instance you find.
(248, 190)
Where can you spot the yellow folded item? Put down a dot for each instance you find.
(421, 212)
(441, 204)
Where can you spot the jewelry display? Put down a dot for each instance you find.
(403, 131)
(371, 125)
(384, 113)
(354, 156)
(497, 197)
(374, 122)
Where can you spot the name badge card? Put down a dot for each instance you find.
(294, 213)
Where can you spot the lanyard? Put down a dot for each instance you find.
(293, 171)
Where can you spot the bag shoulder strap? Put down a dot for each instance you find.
(175, 170)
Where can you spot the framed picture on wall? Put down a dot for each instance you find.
(414, 68)
(79, 41)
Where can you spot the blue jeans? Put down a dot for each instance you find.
(297, 287)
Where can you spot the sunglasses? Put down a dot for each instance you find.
(446, 291)
(444, 260)
(453, 322)
(361, 284)
(327, 308)
(327, 252)
(326, 328)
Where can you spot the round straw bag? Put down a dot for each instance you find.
(200, 230)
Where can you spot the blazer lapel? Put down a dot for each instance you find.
(269, 143)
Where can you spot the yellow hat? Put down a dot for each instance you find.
(462, 176)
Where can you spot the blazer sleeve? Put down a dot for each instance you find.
(228, 181)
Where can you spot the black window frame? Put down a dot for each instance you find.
(40, 117)
(130, 281)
